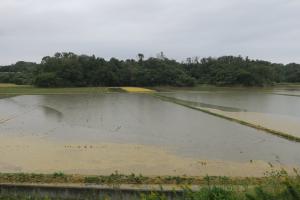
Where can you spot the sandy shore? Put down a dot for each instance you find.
(33, 155)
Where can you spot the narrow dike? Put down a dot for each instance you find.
(188, 104)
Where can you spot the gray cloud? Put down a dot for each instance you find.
(268, 29)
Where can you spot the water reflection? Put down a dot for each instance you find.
(52, 113)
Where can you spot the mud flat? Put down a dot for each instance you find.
(33, 155)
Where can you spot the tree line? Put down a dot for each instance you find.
(71, 70)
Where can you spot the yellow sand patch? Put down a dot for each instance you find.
(136, 89)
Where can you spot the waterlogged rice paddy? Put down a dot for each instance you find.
(261, 108)
(132, 132)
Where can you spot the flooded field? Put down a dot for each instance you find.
(281, 101)
(274, 109)
(139, 133)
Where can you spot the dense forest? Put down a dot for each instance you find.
(70, 70)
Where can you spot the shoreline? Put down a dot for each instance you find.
(34, 155)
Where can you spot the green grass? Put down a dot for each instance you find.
(277, 185)
(10, 89)
(214, 88)
(31, 90)
(117, 179)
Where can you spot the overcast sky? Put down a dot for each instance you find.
(263, 29)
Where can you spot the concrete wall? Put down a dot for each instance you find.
(81, 192)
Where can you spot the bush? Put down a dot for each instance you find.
(46, 80)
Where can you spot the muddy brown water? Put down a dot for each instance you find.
(281, 101)
(145, 120)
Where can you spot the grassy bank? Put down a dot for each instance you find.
(118, 179)
(27, 89)
(277, 185)
(213, 88)
(12, 89)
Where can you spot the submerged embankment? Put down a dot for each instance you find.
(283, 126)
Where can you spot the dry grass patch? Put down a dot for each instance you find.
(8, 85)
(136, 89)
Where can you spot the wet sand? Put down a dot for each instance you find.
(34, 155)
(285, 124)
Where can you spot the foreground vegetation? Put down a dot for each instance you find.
(71, 70)
(277, 185)
(116, 179)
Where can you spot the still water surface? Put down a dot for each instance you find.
(251, 101)
(143, 119)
